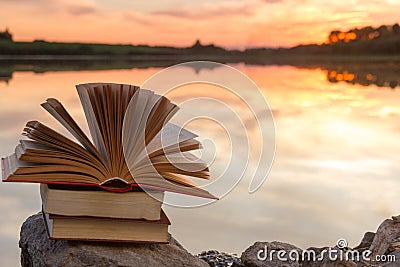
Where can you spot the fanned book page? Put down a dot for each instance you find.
(132, 144)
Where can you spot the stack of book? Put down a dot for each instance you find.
(79, 213)
(110, 188)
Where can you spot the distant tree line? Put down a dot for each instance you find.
(366, 33)
(384, 40)
(42, 47)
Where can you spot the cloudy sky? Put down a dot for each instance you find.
(229, 23)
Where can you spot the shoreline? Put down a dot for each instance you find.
(383, 71)
(250, 59)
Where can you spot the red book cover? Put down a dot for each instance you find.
(3, 170)
(128, 188)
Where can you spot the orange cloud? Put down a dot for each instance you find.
(208, 11)
(78, 10)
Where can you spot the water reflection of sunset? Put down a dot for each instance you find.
(335, 173)
(365, 77)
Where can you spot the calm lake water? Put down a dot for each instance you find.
(335, 175)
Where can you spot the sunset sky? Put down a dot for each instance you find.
(228, 23)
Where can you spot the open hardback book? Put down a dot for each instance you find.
(132, 145)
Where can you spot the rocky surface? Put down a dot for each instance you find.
(366, 241)
(386, 234)
(396, 262)
(384, 243)
(215, 258)
(37, 250)
(261, 254)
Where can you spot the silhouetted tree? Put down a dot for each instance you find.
(6, 35)
(396, 29)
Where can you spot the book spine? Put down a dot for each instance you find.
(3, 170)
(45, 223)
(107, 240)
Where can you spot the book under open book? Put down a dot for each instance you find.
(132, 144)
(106, 229)
(79, 201)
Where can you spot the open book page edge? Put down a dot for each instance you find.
(61, 114)
(88, 109)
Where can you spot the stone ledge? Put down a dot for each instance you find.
(38, 250)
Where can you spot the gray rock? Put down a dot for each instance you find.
(309, 259)
(395, 262)
(219, 259)
(250, 259)
(366, 241)
(387, 233)
(38, 250)
(317, 250)
(377, 243)
(323, 260)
